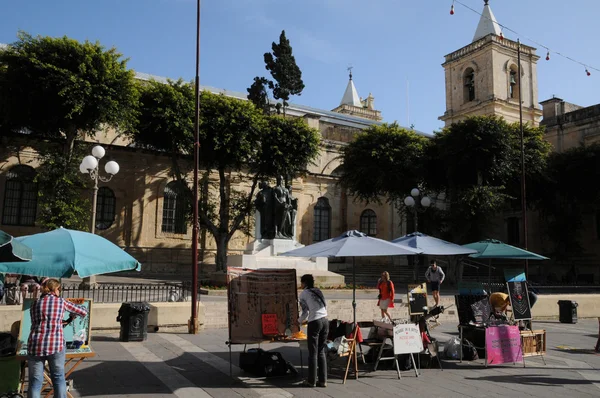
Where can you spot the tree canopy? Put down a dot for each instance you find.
(384, 161)
(286, 74)
(61, 88)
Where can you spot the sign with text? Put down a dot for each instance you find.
(269, 324)
(503, 344)
(407, 339)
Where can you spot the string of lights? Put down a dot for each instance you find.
(587, 67)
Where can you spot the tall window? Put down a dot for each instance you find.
(20, 196)
(513, 231)
(105, 208)
(174, 209)
(469, 83)
(513, 83)
(368, 222)
(322, 220)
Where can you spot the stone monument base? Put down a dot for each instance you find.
(263, 253)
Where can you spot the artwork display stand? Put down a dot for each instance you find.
(257, 295)
(401, 345)
(73, 357)
(352, 355)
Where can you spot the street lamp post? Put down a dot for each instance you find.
(90, 165)
(412, 202)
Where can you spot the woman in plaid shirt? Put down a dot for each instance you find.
(46, 341)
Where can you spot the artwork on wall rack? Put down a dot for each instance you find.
(519, 300)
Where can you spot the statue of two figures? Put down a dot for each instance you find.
(277, 208)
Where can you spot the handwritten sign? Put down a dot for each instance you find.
(407, 339)
(269, 324)
(503, 344)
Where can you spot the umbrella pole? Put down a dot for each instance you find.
(354, 291)
(489, 274)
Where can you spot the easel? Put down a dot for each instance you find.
(74, 359)
(351, 354)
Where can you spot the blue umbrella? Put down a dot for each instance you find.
(63, 252)
(352, 244)
(432, 246)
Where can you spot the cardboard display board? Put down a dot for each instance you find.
(69, 331)
(519, 300)
(503, 345)
(256, 295)
(417, 298)
(464, 309)
(407, 339)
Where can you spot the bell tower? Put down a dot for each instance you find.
(482, 78)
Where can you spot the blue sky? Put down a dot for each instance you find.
(392, 44)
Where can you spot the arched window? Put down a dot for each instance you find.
(105, 208)
(20, 196)
(322, 220)
(513, 88)
(469, 85)
(368, 222)
(174, 209)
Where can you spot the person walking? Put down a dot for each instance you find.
(46, 340)
(435, 277)
(386, 295)
(314, 311)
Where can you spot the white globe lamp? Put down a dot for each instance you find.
(89, 162)
(83, 169)
(409, 201)
(98, 152)
(111, 167)
(425, 201)
(414, 192)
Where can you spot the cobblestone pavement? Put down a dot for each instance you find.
(181, 365)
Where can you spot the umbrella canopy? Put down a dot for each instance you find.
(432, 246)
(492, 248)
(62, 252)
(12, 250)
(352, 244)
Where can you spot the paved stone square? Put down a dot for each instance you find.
(181, 365)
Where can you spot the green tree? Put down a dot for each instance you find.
(476, 163)
(60, 186)
(384, 161)
(286, 74)
(567, 193)
(62, 90)
(236, 144)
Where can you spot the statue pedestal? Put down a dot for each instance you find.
(263, 253)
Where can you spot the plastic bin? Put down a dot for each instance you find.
(10, 374)
(567, 311)
(133, 317)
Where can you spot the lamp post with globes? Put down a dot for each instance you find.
(91, 165)
(417, 206)
(410, 202)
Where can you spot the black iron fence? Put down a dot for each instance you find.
(117, 292)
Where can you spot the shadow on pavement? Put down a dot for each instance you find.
(532, 380)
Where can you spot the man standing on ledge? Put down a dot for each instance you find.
(435, 276)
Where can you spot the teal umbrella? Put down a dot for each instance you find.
(12, 250)
(491, 248)
(63, 252)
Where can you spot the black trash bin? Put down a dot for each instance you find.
(133, 317)
(567, 311)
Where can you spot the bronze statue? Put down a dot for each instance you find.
(278, 210)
